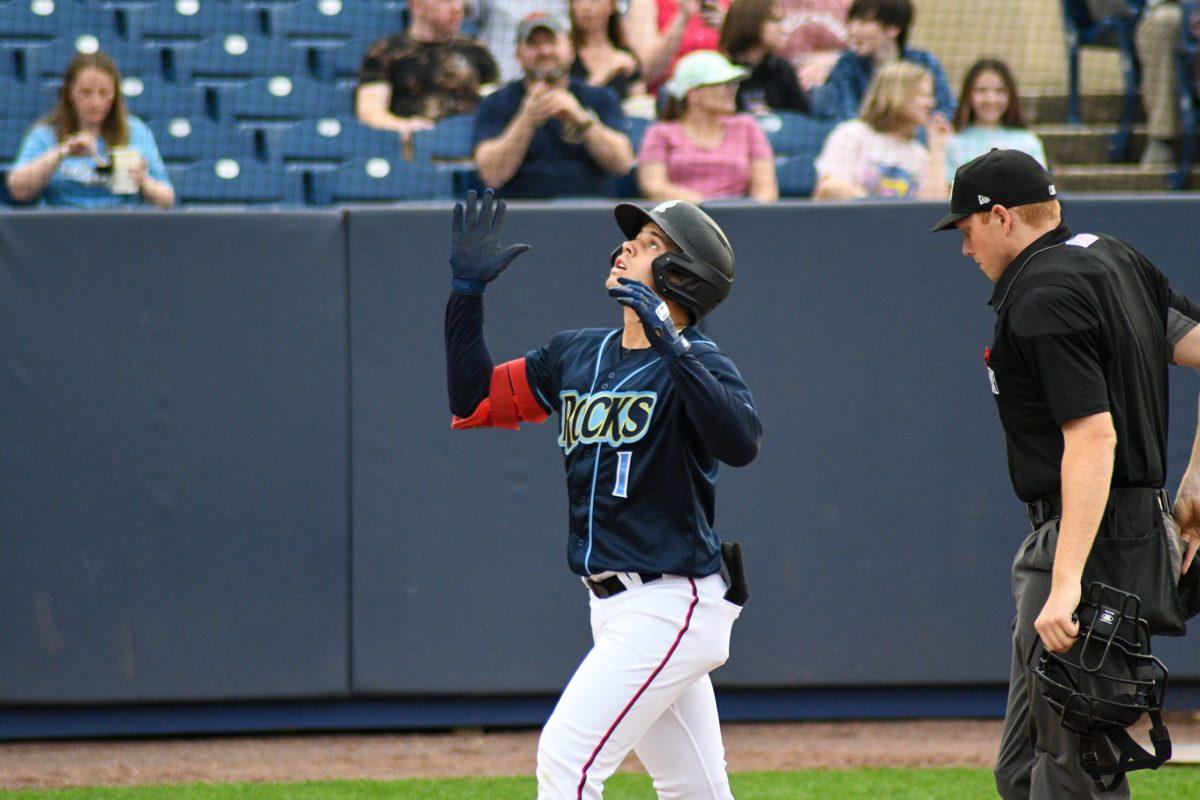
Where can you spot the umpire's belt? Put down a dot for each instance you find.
(1045, 509)
(618, 582)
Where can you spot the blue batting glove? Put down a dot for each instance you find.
(475, 256)
(655, 316)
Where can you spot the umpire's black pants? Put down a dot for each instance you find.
(1039, 758)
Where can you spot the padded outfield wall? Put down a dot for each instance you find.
(227, 473)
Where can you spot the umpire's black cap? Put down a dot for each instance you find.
(997, 178)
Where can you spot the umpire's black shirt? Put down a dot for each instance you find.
(1084, 324)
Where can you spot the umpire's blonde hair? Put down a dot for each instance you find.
(885, 108)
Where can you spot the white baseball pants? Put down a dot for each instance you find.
(644, 686)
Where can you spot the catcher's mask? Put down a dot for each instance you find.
(1105, 682)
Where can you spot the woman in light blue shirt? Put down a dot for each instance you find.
(66, 158)
(989, 115)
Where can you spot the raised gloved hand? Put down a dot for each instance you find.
(655, 316)
(475, 256)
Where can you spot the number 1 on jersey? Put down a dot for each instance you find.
(622, 485)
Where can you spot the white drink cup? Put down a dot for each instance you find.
(123, 159)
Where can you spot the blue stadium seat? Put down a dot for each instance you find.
(449, 140)
(49, 60)
(183, 139)
(229, 181)
(24, 101)
(281, 98)
(381, 180)
(335, 19)
(172, 20)
(794, 134)
(796, 176)
(1187, 79)
(158, 99)
(230, 57)
(333, 60)
(12, 131)
(636, 128)
(32, 20)
(1085, 30)
(336, 140)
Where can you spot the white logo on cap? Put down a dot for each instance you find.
(984, 199)
(1052, 192)
(661, 207)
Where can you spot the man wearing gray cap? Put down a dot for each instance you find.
(1085, 328)
(548, 135)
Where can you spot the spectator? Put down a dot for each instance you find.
(1156, 41)
(878, 155)
(703, 149)
(66, 158)
(751, 37)
(410, 80)
(496, 22)
(989, 116)
(601, 57)
(878, 31)
(663, 31)
(548, 135)
(814, 37)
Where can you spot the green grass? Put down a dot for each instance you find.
(1171, 783)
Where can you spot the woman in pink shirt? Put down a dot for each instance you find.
(702, 149)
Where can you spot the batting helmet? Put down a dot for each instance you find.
(1106, 682)
(699, 277)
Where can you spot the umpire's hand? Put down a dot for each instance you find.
(1187, 515)
(1057, 624)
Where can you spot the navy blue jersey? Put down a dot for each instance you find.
(640, 478)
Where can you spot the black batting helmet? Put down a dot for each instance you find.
(699, 277)
(1106, 682)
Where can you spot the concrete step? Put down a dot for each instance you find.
(1119, 178)
(1084, 144)
(1051, 108)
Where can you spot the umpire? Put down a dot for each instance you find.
(1085, 329)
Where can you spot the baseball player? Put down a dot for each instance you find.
(646, 410)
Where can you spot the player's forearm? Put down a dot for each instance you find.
(1089, 447)
(468, 361)
(726, 423)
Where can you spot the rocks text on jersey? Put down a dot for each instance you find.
(618, 418)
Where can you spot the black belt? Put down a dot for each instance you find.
(613, 585)
(1045, 509)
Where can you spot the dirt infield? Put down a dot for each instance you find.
(467, 753)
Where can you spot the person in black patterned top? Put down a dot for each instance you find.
(409, 81)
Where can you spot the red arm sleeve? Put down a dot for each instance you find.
(510, 401)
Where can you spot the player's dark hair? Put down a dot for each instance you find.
(965, 115)
(742, 30)
(889, 13)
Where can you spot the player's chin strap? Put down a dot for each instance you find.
(1132, 756)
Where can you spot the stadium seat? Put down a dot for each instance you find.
(312, 20)
(198, 139)
(333, 60)
(230, 57)
(154, 99)
(1187, 76)
(336, 140)
(12, 131)
(32, 20)
(230, 181)
(794, 134)
(1083, 29)
(48, 61)
(449, 140)
(796, 176)
(381, 180)
(281, 98)
(174, 20)
(636, 128)
(24, 101)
